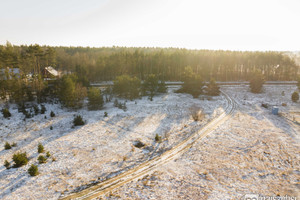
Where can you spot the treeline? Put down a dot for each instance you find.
(102, 64)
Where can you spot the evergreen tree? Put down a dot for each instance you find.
(71, 93)
(127, 87)
(7, 146)
(6, 164)
(42, 159)
(162, 88)
(295, 96)
(67, 91)
(82, 75)
(6, 113)
(33, 170)
(150, 85)
(256, 82)
(78, 121)
(95, 99)
(212, 88)
(193, 83)
(20, 159)
(40, 148)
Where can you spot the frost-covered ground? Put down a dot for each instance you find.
(100, 149)
(254, 152)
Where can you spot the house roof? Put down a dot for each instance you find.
(52, 71)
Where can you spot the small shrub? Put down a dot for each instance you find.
(284, 104)
(125, 158)
(105, 114)
(27, 114)
(42, 159)
(21, 108)
(20, 159)
(295, 96)
(6, 164)
(116, 103)
(7, 146)
(6, 113)
(157, 138)
(124, 107)
(43, 109)
(36, 109)
(138, 144)
(33, 170)
(14, 144)
(264, 105)
(48, 154)
(196, 113)
(53, 159)
(120, 105)
(51, 128)
(52, 114)
(40, 148)
(78, 121)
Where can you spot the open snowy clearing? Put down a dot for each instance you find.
(254, 152)
(100, 149)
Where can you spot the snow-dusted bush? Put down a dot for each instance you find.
(7, 146)
(6, 164)
(43, 109)
(157, 138)
(138, 144)
(6, 113)
(116, 103)
(42, 159)
(52, 114)
(78, 121)
(33, 170)
(40, 148)
(36, 109)
(20, 159)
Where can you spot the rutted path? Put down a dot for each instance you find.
(147, 167)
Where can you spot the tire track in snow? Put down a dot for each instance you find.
(149, 166)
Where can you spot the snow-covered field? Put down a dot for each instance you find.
(254, 152)
(98, 150)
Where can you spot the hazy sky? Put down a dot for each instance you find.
(196, 24)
